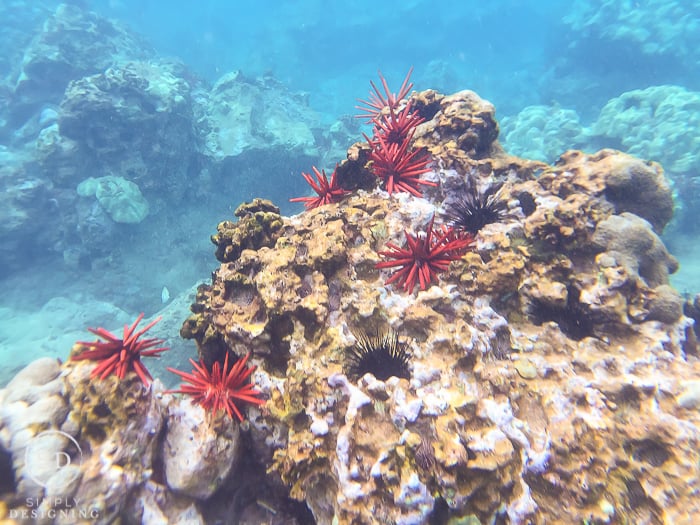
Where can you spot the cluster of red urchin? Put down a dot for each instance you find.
(391, 157)
(399, 166)
(216, 388)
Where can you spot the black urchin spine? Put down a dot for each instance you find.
(382, 355)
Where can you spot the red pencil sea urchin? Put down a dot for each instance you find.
(118, 356)
(327, 191)
(399, 168)
(373, 107)
(220, 388)
(397, 126)
(424, 256)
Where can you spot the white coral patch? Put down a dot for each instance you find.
(522, 507)
(357, 397)
(501, 414)
(403, 410)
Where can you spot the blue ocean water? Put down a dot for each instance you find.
(549, 67)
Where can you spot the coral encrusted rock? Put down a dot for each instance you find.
(198, 457)
(550, 375)
(258, 225)
(126, 452)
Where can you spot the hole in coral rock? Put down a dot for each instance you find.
(301, 422)
(527, 203)
(306, 288)
(309, 320)
(302, 251)
(239, 293)
(280, 329)
(335, 292)
(468, 361)
(94, 432)
(101, 410)
(574, 320)
(635, 493)
(627, 396)
(426, 108)
(649, 451)
(440, 513)
(500, 344)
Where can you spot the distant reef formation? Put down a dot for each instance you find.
(655, 28)
(90, 100)
(540, 369)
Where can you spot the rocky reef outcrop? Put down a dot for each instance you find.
(73, 42)
(133, 119)
(77, 450)
(657, 123)
(551, 368)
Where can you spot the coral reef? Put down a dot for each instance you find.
(90, 100)
(108, 429)
(543, 132)
(660, 28)
(551, 367)
(128, 119)
(656, 123)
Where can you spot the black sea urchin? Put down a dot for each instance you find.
(382, 355)
(476, 208)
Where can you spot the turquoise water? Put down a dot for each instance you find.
(550, 68)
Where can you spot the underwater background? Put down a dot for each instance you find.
(582, 74)
(473, 297)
